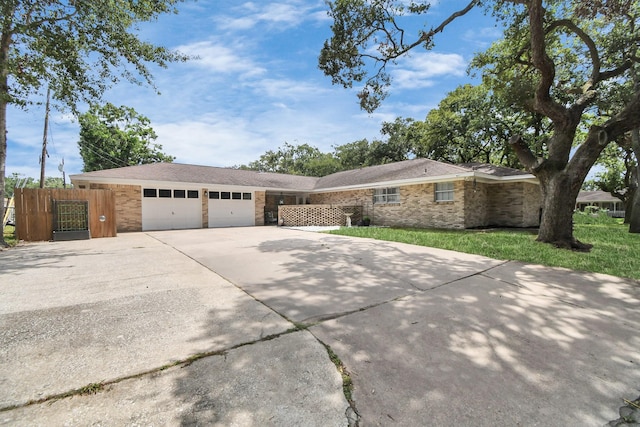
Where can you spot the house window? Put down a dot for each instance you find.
(214, 195)
(236, 196)
(178, 194)
(225, 195)
(150, 192)
(192, 194)
(164, 193)
(246, 196)
(444, 192)
(386, 195)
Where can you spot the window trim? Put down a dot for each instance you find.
(444, 195)
(386, 196)
(146, 192)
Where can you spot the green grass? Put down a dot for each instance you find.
(615, 251)
(10, 235)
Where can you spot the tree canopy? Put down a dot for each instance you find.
(113, 137)
(78, 49)
(549, 64)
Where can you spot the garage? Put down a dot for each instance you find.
(231, 209)
(173, 196)
(171, 209)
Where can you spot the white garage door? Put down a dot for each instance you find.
(171, 209)
(231, 209)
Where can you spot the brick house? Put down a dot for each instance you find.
(413, 193)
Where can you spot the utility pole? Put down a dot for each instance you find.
(44, 140)
(64, 177)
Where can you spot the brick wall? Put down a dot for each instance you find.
(128, 205)
(204, 196)
(475, 196)
(514, 204)
(417, 207)
(532, 205)
(260, 203)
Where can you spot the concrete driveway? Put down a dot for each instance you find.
(230, 327)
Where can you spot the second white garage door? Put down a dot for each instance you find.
(231, 209)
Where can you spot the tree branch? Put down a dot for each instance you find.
(543, 101)
(427, 36)
(522, 150)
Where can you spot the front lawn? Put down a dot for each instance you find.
(614, 252)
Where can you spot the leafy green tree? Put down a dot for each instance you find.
(76, 48)
(619, 175)
(112, 137)
(551, 62)
(302, 159)
(473, 124)
(353, 155)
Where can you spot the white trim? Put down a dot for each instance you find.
(479, 176)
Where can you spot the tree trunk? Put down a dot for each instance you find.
(4, 87)
(634, 215)
(558, 203)
(628, 205)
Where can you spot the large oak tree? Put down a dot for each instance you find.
(77, 48)
(597, 38)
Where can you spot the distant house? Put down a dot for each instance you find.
(601, 200)
(413, 193)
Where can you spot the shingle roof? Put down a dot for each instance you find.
(410, 169)
(595, 196)
(414, 169)
(176, 172)
(488, 169)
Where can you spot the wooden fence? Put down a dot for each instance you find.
(34, 211)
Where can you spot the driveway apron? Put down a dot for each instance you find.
(434, 337)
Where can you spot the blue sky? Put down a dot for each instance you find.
(256, 85)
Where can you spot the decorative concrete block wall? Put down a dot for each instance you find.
(308, 215)
(128, 205)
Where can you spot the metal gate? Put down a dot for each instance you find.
(70, 220)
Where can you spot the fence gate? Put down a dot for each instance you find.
(70, 220)
(62, 214)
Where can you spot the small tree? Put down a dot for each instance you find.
(112, 137)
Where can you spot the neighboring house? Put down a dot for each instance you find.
(601, 200)
(412, 193)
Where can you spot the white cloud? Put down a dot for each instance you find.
(420, 70)
(220, 58)
(482, 37)
(283, 15)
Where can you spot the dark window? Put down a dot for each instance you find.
(192, 194)
(225, 195)
(164, 193)
(150, 192)
(178, 194)
(214, 194)
(236, 196)
(246, 196)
